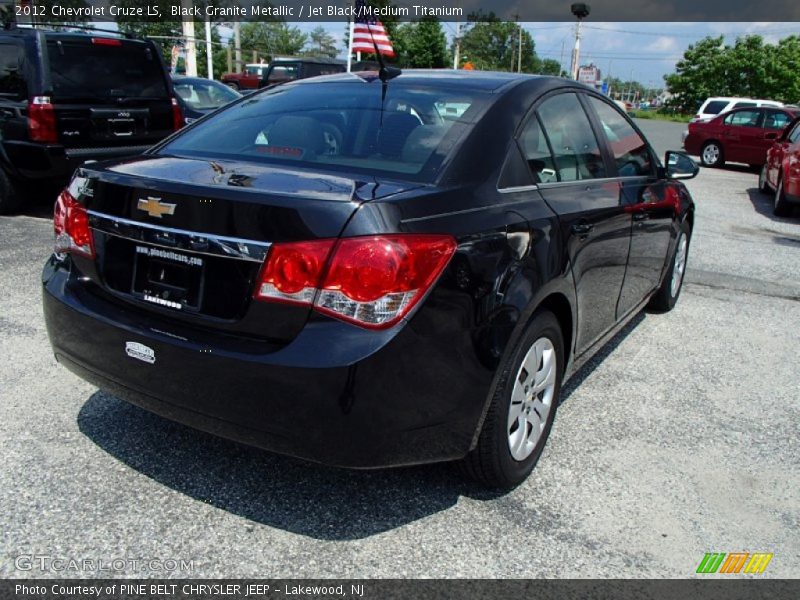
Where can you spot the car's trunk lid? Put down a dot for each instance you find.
(186, 238)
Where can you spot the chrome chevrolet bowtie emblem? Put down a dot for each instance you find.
(155, 207)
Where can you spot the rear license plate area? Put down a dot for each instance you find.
(168, 278)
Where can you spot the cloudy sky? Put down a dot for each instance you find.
(646, 51)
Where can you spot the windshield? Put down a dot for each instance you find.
(108, 70)
(204, 95)
(339, 126)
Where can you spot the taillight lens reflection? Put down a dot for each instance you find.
(71, 225)
(370, 281)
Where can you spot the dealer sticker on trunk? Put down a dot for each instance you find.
(140, 352)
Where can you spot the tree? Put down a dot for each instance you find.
(493, 45)
(321, 43)
(750, 68)
(421, 45)
(272, 39)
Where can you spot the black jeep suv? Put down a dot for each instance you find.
(70, 97)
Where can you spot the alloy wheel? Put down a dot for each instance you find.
(532, 398)
(679, 265)
(711, 154)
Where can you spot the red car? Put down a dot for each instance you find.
(743, 135)
(781, 172)
(249, 79)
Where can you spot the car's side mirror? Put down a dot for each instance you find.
(679, 165)
(771, 135)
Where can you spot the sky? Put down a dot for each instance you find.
(644, 52)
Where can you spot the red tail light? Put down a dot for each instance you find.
(42, 120)
(371, 281)
(106, 42)
(177, 115)
(71, 225)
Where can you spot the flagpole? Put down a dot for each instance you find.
(350, 45)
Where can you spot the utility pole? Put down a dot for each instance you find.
(209, 54)
(189, 43)
(581, 11)
(519, 53)
(237, 44)
(457, 48)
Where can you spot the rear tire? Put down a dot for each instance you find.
(522, 409)
(10, 198)
(667, 295)
(781, 208)
(233, 85)
(711, 155)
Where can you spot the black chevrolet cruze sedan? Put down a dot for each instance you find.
(369, 273)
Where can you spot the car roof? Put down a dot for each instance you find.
(481, 80)
(72, 36)
(324, 60)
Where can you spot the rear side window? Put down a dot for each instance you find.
(12, 76)
(102, 71)
(537, 153)
(575, 149)
(714, 107)
(744, 105)
(743, 118)
(776, 120)
(336, 126)
(630, 151)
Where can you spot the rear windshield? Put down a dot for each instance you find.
(339, 126)
(714, 107)
(102, 71)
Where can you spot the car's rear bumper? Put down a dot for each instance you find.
(336, 395)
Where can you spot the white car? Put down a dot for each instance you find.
(718, 105)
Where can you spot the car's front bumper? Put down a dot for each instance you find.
(336, 394)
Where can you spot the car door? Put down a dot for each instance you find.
(642, 195)
(579, 186)
(743, 135)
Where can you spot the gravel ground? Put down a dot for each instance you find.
(679, 439)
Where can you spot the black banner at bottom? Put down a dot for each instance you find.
(382, 589)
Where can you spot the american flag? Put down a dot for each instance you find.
(366, 29)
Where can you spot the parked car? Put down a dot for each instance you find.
(198, 96)
(282, 70)
(718, 105)
(781, 173)
(417, 292)
(70, 97)
(743, 135)
(249, 79)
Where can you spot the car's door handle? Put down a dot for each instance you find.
(582, 228)
(641, 215)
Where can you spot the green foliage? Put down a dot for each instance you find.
(321, 43)
(270, 39)
(421, 45)
(750, 68)
(492, 45)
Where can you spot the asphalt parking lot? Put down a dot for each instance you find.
(679, 439)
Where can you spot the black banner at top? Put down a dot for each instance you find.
(402, 10)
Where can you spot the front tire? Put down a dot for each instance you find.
(781, 208)
(233, 85)
(522, 409)
(667, 295)
(711, 155)
(762, 180)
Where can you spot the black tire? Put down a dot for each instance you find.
(491, 462)
(781, 207)
(665, 298)
(763, 186)
(233, 85)
(10, 198)
(712, 159)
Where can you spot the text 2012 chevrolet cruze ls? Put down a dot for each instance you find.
(368, 274)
